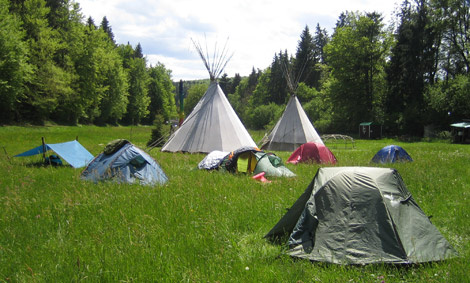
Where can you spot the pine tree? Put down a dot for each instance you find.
(305, 59)
(277, 84)
(320, 40)
(411, 68)
(91, 23)
(138, 51)
(224, 83)
(235, 82)
(107, 29)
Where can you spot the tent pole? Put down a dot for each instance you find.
(43, 148)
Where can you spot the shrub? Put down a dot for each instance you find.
(157, 138)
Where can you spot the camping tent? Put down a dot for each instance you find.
(72, 152)
(312, 152)
(293, 128)
(391, 154)
(247, 160)
(360, 215)
(212, 124)
(125, 163)
(212, 160)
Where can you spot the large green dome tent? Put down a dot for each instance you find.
(360, 215)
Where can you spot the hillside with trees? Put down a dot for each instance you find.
(414, 72)
(57, 66)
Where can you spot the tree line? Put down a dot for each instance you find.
(57, 66)
(406, 75)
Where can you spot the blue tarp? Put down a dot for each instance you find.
(72, 152)
(391, 154)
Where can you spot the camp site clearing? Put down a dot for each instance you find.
(200, 226)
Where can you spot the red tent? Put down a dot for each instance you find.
(312, 152)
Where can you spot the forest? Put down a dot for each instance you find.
(413, 73)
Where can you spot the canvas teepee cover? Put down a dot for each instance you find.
(360, 215)
(292, 130)
(213, 124)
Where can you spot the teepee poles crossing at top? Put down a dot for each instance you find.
(219, 61)
(292, 84)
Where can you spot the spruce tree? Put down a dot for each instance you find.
(107, 29)
(138, 51)
(305, 59)
(235, 82)
(410, 69)
(224, 83)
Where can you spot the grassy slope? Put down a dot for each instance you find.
(202, 226)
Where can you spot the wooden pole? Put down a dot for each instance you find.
(43, 149)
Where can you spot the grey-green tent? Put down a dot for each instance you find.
(360, 215)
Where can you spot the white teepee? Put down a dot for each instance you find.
(293, 128)
(213, 124)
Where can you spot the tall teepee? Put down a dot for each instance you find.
(213, 124)
(293, 128)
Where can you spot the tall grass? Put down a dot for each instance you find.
(202, 226)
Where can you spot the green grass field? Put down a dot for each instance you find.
(202, 226)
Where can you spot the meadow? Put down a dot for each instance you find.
(202, 226)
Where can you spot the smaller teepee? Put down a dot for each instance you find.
(213, 124)
(294, 128)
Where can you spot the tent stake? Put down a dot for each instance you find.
(8, 157)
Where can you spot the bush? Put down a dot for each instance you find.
(263, 115)
(157, 138)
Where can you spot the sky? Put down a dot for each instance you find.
(252, 30)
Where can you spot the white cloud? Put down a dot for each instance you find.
(257, 28)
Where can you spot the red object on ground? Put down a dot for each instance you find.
(260, 177)
(312, 152)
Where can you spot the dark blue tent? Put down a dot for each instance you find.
(391, 154)
(72, 152)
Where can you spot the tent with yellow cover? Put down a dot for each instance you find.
(249, 160)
